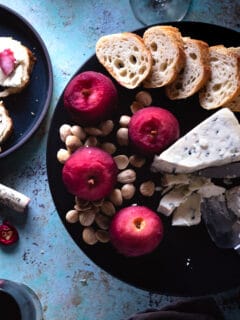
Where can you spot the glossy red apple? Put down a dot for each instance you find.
(152, 129)
(90, 173)
(136, 231)
(90, 97)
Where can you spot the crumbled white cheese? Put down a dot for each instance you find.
(210, 190)
(170, 201)
(188, 213)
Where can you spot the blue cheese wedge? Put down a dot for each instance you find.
(188, 213)
(214, 142)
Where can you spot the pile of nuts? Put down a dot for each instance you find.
(95, 216)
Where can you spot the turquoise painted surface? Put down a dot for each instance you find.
(69, 285)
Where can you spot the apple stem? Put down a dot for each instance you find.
(86, 92)
(91, 181)
(153, 132)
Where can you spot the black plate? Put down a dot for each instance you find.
(187, 262)
(28, 108)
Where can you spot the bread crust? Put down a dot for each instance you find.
(166, 46)
(194, 74)
(125, 57)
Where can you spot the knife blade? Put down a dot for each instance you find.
(221, 223)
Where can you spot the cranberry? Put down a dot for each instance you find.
(8, 233)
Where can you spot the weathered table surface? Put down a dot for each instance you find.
(69, 285)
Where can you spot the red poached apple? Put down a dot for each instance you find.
(90, 173)
(90, 97)
(135, 231)
(152, 129)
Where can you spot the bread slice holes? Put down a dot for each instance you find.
(142, 70)
(193, 55)
(217, 87)
(163, 66)
(133, 59)
(135, 48)
(153, 46)
(178, 85)
(119, 63)
(123, 73)
(131, 75)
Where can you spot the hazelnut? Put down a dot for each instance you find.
(121, 161)
(63, 155)
(89, 236)
(144, 98)
(64, 131)
(122, 136)
(126, 176)
(78, 132)
(124, 121)
(128, 191)
(73, 143)
(147, 188)
(72, 216)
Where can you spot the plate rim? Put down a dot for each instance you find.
(46, 105)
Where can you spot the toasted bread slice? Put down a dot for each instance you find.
(6, 124)
(22, 63)
(166, 46)
(195, 73)
(125, 57)
(224, 83)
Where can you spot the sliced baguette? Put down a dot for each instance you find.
(234, 104)
(125, 57)
(166, 46)
(224, 83)
(195, 73)
(6, 124)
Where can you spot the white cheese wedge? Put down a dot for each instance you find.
(214, 142)
(170, 201)
(188, 213)
(233, 200)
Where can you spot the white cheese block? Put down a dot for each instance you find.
(188, 213)
(233, 200)
(214, 142)
(170, 201)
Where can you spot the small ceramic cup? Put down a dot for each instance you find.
(19, 302)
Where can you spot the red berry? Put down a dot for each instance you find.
(8, 233)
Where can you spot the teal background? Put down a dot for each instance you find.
(68, 284)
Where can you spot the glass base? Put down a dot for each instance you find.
(156, 11)
(21, 301)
